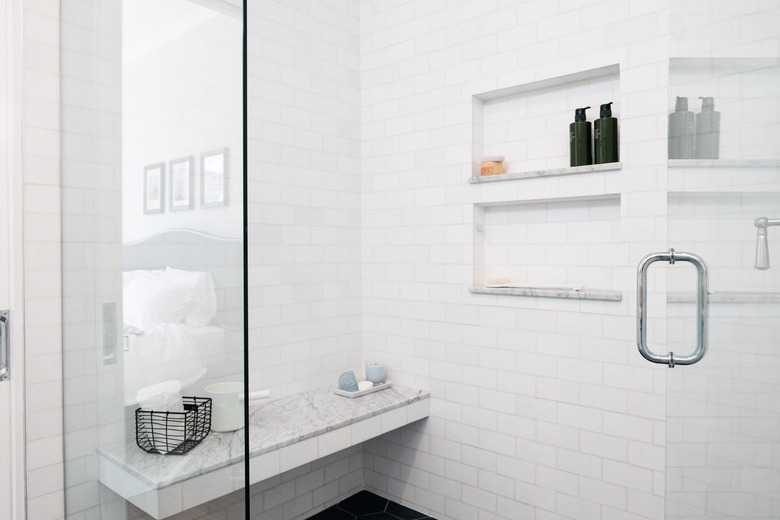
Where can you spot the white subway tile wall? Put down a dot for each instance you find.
(540, 408)
(39, 37)
(304, 233)
(91, 261)
(361, 247)
(304, 193)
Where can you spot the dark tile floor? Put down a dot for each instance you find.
(368, 506)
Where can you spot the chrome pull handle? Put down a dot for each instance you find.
(5, 365)
(702, 295)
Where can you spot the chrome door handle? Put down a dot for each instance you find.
(5, 365)
(701, 316)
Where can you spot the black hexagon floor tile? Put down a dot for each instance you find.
(333, 513)
(366, 505)
(403, 512)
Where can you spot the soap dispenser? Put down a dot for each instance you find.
(605, 136)
(681, 134)
(707, 130)
(580, 151)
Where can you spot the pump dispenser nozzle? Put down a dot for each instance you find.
(707, 104)
(681, 104)
(606, 110)
(579, 114)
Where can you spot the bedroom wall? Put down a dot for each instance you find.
(181, 97)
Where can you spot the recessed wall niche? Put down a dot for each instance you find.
(563, 248)
(745, 93)
(529, 124)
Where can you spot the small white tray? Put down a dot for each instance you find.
(376, 388)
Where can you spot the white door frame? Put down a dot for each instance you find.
(12, 438)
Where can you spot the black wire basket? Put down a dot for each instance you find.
(173, 433)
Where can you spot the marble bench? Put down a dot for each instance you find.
(283, 434)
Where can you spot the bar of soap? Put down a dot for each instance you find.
(365, 385)
(348, 382)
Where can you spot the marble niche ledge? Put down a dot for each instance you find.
(579, 293)
(283, 434)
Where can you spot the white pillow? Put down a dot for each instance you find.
(203, 306)
(129, 276)
(150, 301)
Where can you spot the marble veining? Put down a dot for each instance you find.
(272, 425)
(726, 297)
(551, 292)
(552, 172)
(724, 163)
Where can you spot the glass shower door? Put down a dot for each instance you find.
(152, 255)
(723, 413)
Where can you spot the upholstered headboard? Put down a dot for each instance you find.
(195, 251)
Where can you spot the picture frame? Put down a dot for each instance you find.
(180, 184)
(213, 184)
(154, 188)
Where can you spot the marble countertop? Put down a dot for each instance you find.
(272, 425)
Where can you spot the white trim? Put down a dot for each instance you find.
(14, 68)
(191, 231)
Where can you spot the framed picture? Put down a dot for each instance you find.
(154, 188)
(180, 185)
(213, 178)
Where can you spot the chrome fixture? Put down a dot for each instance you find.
(5, 362)
(701, 317)
(762, 245)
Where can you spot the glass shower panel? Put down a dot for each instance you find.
(153, 274)
(723, 417)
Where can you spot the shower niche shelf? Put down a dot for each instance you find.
(508, 176)
(529, 123)
(723, 163)
(578, 293)
(552, 248)
(726, 297)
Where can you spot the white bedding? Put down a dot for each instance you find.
(170, 351)
(167, 315)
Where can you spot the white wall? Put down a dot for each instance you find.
(304, 193)
(722, 418)
(541, 407)
(360, 151)
(90, 175)
(181, 97)
(39, 266)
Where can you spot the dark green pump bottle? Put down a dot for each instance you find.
(605, 136)
(580, 151)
